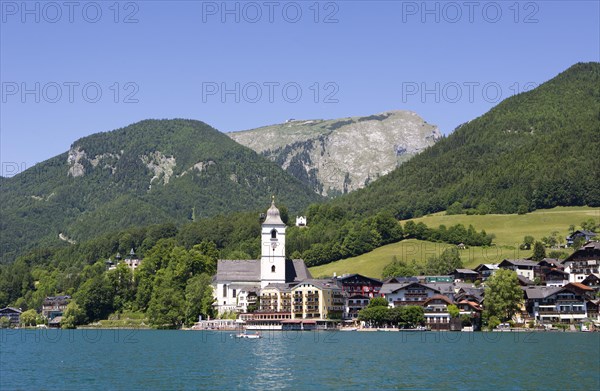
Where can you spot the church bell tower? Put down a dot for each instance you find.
(272, 261)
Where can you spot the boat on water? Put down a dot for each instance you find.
(503, 327)
(418, 328)
(247, 336)
(349, 329)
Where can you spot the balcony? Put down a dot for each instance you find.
(568, 301)
(435, 311)
(556, 312)
(416, 295)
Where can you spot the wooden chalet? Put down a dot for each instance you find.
(358, 291)
(13, 315)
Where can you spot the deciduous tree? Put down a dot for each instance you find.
(29, 318)
(167, 306)
(73, 316)
(503, 295)
(198, 298)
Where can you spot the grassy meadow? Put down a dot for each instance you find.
(509, 231)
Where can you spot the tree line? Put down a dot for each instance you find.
(379, 314)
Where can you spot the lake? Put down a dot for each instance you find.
(155, 359)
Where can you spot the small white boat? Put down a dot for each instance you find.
(247, 336)
(349, 329)
(503, 327)
(418, 328)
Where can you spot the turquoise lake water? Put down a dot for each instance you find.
(173, 360)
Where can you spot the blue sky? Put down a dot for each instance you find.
(68, 71)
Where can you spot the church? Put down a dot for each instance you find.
(238, 283)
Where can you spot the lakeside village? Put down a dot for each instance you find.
(275, 293)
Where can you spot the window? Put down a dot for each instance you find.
(224, 290)
(234, 293)
(273, 234)
(273, 269)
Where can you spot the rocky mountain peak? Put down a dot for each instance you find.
(341, 155)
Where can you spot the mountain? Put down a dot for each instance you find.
(538, 149)
(341, 155)
(154, 171)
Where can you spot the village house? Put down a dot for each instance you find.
(412, 293)
(523, 267)
(580, 234)
(593, 282)
(13, 315)
(358, 291)
(551, 272)
(53, 308)
(464, 275)
(583, 262)
(593, 310)
(248, 299)
(470, 294)
(565, 304)
(556, 277)
(486, 270)
(437, 316)
(471, 310)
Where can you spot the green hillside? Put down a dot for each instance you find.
(151, 172)
(509, 231)
(535, 150)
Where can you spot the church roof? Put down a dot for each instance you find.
(238, 270)
(273, 216)
(249, 270)
(296, 270)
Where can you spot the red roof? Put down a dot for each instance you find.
(472, 304)
(580, 286)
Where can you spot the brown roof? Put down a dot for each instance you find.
(438, 297)
(55, 320)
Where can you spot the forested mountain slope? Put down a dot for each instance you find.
(538, 149)
(154, 171)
